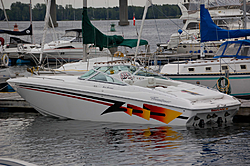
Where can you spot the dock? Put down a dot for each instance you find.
(13, 101)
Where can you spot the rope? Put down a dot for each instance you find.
(153, 6)
(3, 87)
(226, 88)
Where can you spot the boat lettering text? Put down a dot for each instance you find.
(219, 109)
(107, 87)
(160, 100)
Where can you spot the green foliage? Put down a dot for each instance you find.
(20, 12)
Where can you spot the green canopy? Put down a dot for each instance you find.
(91, 35)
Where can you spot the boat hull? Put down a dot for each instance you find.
(238, 81)
(83, 105)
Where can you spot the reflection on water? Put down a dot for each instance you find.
(48, 141)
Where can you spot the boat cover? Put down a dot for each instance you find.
(211, 32)
(92, 35)
(27, 31)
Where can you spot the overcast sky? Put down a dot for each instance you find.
(92, 3)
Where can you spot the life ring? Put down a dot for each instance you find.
(226, 88)
(5, 60)
(20, 47)
(118, 54)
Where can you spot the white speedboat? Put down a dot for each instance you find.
(68, 48)
(123, 93)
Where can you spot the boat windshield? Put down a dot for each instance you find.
(131, 69)
(88, 74)
(146, 73)
(67, 38)
(94, 75)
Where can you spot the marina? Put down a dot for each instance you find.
(116, 110)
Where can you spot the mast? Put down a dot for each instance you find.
(148, 3)
(84, 59)
(31, 21)
(244, 16)
(46, 21)
(202, 44)
(5, 14)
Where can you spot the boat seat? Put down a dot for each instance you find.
(147, 82)
(129, 81)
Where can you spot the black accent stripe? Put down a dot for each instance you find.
(115, 108)
(137, 111)
(182, 117)
(71, 93)
(157, 114)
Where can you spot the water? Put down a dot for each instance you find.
(154, 31)
(49, 141)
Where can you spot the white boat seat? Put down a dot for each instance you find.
(129, 81)
(147, 82)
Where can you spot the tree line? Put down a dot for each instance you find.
(21, 12)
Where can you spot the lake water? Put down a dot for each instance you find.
(154, 31)
(49, 141)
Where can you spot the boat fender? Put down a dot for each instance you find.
(226, 88)
(1, 41)
(5, 60)
(118, 54)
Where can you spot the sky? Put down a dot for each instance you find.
(91, 3)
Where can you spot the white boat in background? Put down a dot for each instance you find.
(228, 71)
(226, 14)
(68, 48)
(124, 93)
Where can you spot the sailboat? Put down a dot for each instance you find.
(226, 14)
(228, 71)
(91, 35)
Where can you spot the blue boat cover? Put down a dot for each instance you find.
(234, 49)
(211, 32)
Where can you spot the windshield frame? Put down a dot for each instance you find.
(96, 72)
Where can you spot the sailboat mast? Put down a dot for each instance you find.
(244, 16)
(5, 14)
(31, 21)
(46, 21)
(148, 3)
(202, 44)
(84, 59)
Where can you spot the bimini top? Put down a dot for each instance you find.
(237, 49)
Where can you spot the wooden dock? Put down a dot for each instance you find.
(12, 100)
